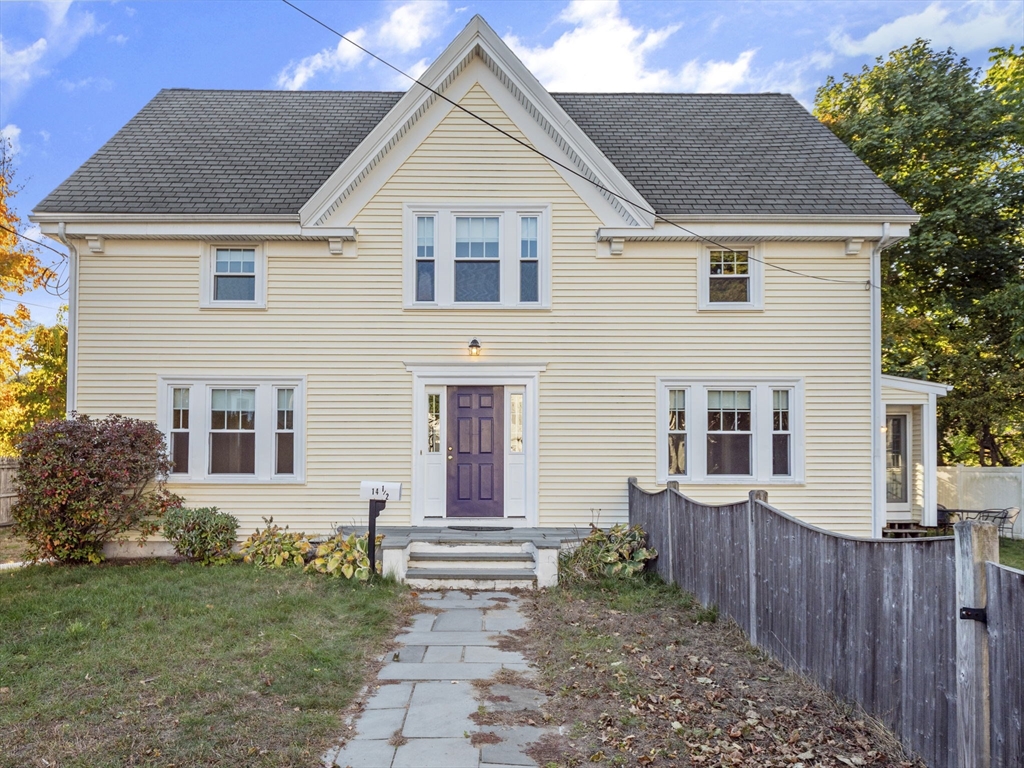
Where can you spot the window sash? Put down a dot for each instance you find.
(179, 439)
(677, 436)
(234, 274)
(284, 434)
(782, 437)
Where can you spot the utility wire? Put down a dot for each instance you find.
(61, 285)
(43, 245)
(867, 283)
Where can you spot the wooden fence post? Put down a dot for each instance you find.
(976, 543)
(673, 485)
(752, 563)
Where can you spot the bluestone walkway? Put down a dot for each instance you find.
(418, 713)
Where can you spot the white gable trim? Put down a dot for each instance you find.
(916, 385)
(476, 54)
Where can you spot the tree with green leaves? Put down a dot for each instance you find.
(949, 140)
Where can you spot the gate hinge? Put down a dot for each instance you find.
(974, 614)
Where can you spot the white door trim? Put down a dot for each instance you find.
(479, 373)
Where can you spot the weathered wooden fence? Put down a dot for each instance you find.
(872, 620)
(1005, 609)
(8, 495)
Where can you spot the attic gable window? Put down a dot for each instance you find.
(479, 257)
(233, 277)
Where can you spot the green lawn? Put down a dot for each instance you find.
(1011, 553)
(160, 664)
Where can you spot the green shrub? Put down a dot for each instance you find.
(346, 556)
(84, 482)
(274, 547)
(204, 534)
(620, 551)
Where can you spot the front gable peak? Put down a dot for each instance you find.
(477, 56)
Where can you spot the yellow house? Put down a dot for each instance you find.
(508, 300)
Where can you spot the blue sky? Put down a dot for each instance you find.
(72, 73)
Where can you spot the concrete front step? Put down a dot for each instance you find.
(476, 574)
(472, 557)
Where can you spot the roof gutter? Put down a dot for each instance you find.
(71, 396)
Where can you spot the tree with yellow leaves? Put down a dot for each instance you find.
(20, 270)
(33, 358)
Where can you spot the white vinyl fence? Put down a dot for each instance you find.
(963, 487)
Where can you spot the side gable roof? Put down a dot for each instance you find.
(268, 152)
(715, 154)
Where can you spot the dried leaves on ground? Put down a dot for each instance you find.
(640, 675)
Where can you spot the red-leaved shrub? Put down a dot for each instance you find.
(83, 482)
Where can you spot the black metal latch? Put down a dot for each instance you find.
(974, 614)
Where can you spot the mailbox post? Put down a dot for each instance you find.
(378, 492)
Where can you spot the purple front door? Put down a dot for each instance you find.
(476, 472)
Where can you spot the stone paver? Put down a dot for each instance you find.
(430, 708)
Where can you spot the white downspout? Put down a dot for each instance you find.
(72, 388)
(877, 407)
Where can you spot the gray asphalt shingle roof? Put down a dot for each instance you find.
(267, 152)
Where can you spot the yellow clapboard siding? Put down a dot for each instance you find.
(615, 324)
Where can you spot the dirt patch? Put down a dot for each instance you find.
(397, 739)
(12, 549)
(639, 675)
(485, 737)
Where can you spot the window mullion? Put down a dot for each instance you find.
(699, 432)
(761, 422)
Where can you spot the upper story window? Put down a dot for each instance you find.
(731, 278)
(233, 276)
(730, 431)
(481, 257)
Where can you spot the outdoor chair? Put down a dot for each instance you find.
(1004, 518)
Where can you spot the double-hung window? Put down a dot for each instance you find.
(731, 277)
(730, 430)
(481, 257)
(233, 276)
(234, 429)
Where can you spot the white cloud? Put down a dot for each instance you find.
(19, 67)
(34, 232)
(408, 27)
(95, 83)
(974, 26)
(119, 39)
(45, 136)
(411, 25)
(10, 134)
(604, 51)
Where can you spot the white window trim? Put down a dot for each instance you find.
(895, 508)
(756, 283)
(208, 263)
(761, 421)
(444, 253)
(266, 419)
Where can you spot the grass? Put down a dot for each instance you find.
(1011, 553)
(162, 664)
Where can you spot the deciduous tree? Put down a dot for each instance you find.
(948, 140)
(20, 268)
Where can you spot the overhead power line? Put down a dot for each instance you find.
(564, 166)
(61, 284)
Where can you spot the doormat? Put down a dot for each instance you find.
(477, 528)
